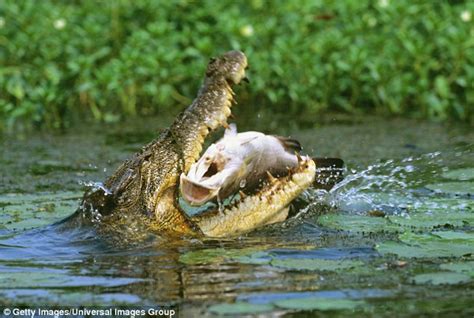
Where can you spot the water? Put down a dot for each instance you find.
(333, 251)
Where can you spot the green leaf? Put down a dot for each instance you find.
(437, 212)
(315, 303)
(442, 86)
(35, 279)
(25, 211)
(449, 244)
(52, 73)
(459, 188)
(315, 264)
(434, 219)
(16, 89)
(462, 237)
(460, 174)
(241, 308)
(441, 278)
(402, 250)
(459, 267)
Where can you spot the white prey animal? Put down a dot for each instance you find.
(238, 161)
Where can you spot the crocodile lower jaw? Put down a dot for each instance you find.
(268, 205)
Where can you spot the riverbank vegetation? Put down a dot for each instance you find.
(68, 61)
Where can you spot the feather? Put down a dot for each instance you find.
(291, 145)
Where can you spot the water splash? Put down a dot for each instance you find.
(87, 208)
(95, 186)
(391, 186)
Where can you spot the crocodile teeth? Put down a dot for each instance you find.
(271, 178)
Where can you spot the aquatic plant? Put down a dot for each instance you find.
(65, 61)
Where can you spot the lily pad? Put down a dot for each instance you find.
(403, 250)
(437, 212)
(443, 204)
(458, 188)
(440, 237)
(25, 211)
(460, 174)
(432, 220)
(323, 304)
(463, 237)
(315, 264)
(426, 221)
(460, 267)
(59, 279)
(59, 297)
(240, 308)
(441, 278)
(448, 244)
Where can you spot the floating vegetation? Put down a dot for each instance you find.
(316, 264)
(454, 188)
(459, 267)
(441, 278)
(464, 174)
(427, 215)
(36, 279)
(430, 245)
(322, 304)
(25, 211)
(240, 308)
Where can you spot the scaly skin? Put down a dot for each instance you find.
(143, 192)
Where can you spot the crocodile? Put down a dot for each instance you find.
(142, 194)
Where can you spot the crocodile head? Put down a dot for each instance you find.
(144, 189)
(270, 203)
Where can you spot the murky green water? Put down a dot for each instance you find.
(398, 238)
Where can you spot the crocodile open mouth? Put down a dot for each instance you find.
(268, 204)
(264, 205)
